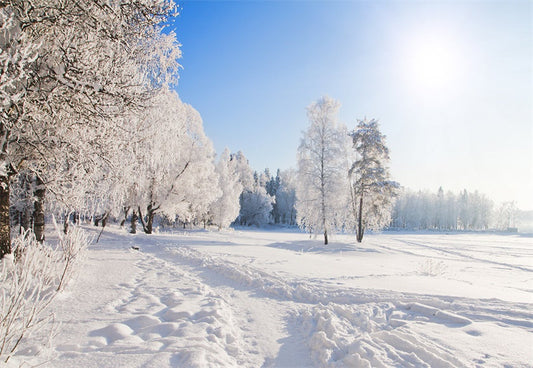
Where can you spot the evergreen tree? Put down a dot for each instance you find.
(371, 190)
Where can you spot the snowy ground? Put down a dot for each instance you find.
(277, 299)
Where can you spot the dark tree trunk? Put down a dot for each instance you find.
(5, 227)
(126, 211)
(360, 229)
(325, 237)
(26, 218)
(134, 219)
(150, 221)
(141, 217)
(150, 213)
(26, 215)
(105, 216)
(38, 209)
(65, 223)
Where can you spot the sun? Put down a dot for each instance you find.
(432, 62)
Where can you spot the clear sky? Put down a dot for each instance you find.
(450, 81)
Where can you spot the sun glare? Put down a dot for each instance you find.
(432, 62)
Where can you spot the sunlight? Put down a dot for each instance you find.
(432, 62)
(433, 65)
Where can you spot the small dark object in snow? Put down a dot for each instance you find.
(134, 247)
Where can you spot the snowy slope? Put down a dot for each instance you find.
(277, 299)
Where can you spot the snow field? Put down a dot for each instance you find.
(278, 299)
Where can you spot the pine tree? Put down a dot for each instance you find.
(371, 189)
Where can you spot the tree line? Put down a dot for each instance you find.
(440, 210)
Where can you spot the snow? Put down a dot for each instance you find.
(275, 298)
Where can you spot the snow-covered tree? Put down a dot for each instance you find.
(174, 172)
(255, 202)
(285, 200)
(226, 208)
(506, 215)
(442, 211)
(372, 190)
(256, 206)
(243, 170)
(322, 170)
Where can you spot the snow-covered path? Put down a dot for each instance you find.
(158, 314)
(269, 299)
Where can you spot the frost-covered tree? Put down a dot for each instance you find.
(226, 208)
(442, 211)
(323, 185)
(175, 171)
(372, 191)
(256, 206)
(285, 200)
(255, 202)
(505, 216)
(243, 170)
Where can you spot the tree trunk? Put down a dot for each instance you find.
(5, 228)
(65, 223)
(104, 223)
(325, 237)
(126, 211)
(26, 218)
(149, 222)
(134, 219)
(360, 230)
(150, 213)
(38, 209)
(141, 217)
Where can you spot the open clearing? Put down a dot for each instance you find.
(275, 298)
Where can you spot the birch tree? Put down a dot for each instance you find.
(322, 190)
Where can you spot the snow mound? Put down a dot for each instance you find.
(362, 336)
(113, 332)
(142, 321)
(437, 314)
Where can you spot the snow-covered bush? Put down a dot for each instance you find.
(72, 246)
(27, 286)
(30, 278)
(430, 267)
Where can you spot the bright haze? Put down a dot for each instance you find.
(450, 82)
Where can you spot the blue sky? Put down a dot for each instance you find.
(451, 83)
